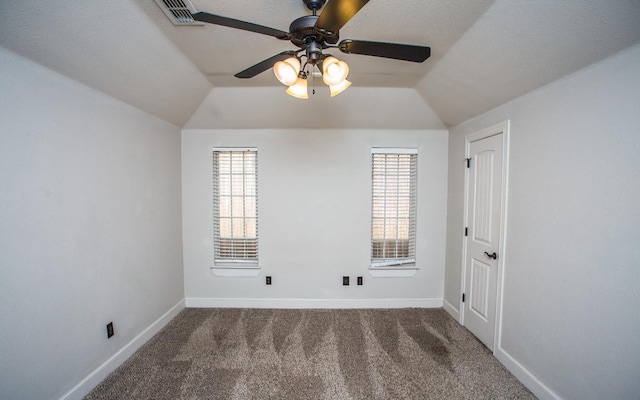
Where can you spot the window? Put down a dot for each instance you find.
(393, 207)
(235, 206)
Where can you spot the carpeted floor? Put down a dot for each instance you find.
(312, 354)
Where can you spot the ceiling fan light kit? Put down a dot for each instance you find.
(312, 34)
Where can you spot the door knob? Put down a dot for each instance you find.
(494, 255)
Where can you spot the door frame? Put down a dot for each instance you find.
(502, 127)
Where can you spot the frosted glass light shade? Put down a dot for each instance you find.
(287, 71)
(334, 71)
(299, 90)
(339, 88)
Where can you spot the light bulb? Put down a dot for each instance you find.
(334, 71)
(299, 89)
(287, 71)
(339, 87)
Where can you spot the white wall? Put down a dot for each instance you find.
(90, 228)
(572, 261)
(314, 218)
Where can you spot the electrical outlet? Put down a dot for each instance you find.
(268, 280)
(110, 330)
(359, 281)
(345, 281)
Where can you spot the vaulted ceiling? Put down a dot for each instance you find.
(483, 53)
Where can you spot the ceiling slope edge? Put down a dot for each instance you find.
(515, 48)
(145, 69)
(355, 108)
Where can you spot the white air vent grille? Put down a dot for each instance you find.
(179, 11)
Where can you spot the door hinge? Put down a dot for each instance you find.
(466, 231)
(468, 162)
(463, 297)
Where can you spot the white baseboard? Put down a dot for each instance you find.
(539, 389)
(312, 303)
(99, 374)
(451, 309)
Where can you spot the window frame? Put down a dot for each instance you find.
(233, 262)
(395, 263)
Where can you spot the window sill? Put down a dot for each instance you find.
(393, 272)
(236, 271)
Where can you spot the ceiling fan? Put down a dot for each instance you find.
(312, 34)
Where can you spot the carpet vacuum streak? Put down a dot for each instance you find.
(311, 354)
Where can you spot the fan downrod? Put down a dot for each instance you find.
(314, 5)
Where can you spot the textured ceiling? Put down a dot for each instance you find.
(108, 45)
(484, 52)
(518, 46)
(220, 52)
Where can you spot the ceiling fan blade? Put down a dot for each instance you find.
(264, 65)
(236, 23)
(397, 51)
(337, 13)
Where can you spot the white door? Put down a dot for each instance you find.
(484, 212)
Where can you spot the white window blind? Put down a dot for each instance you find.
(393, 209)
(235, 206)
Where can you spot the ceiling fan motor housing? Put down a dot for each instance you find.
(303, 32)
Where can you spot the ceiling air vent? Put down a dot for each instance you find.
(179, 11)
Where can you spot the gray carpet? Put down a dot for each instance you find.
(311, 354)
